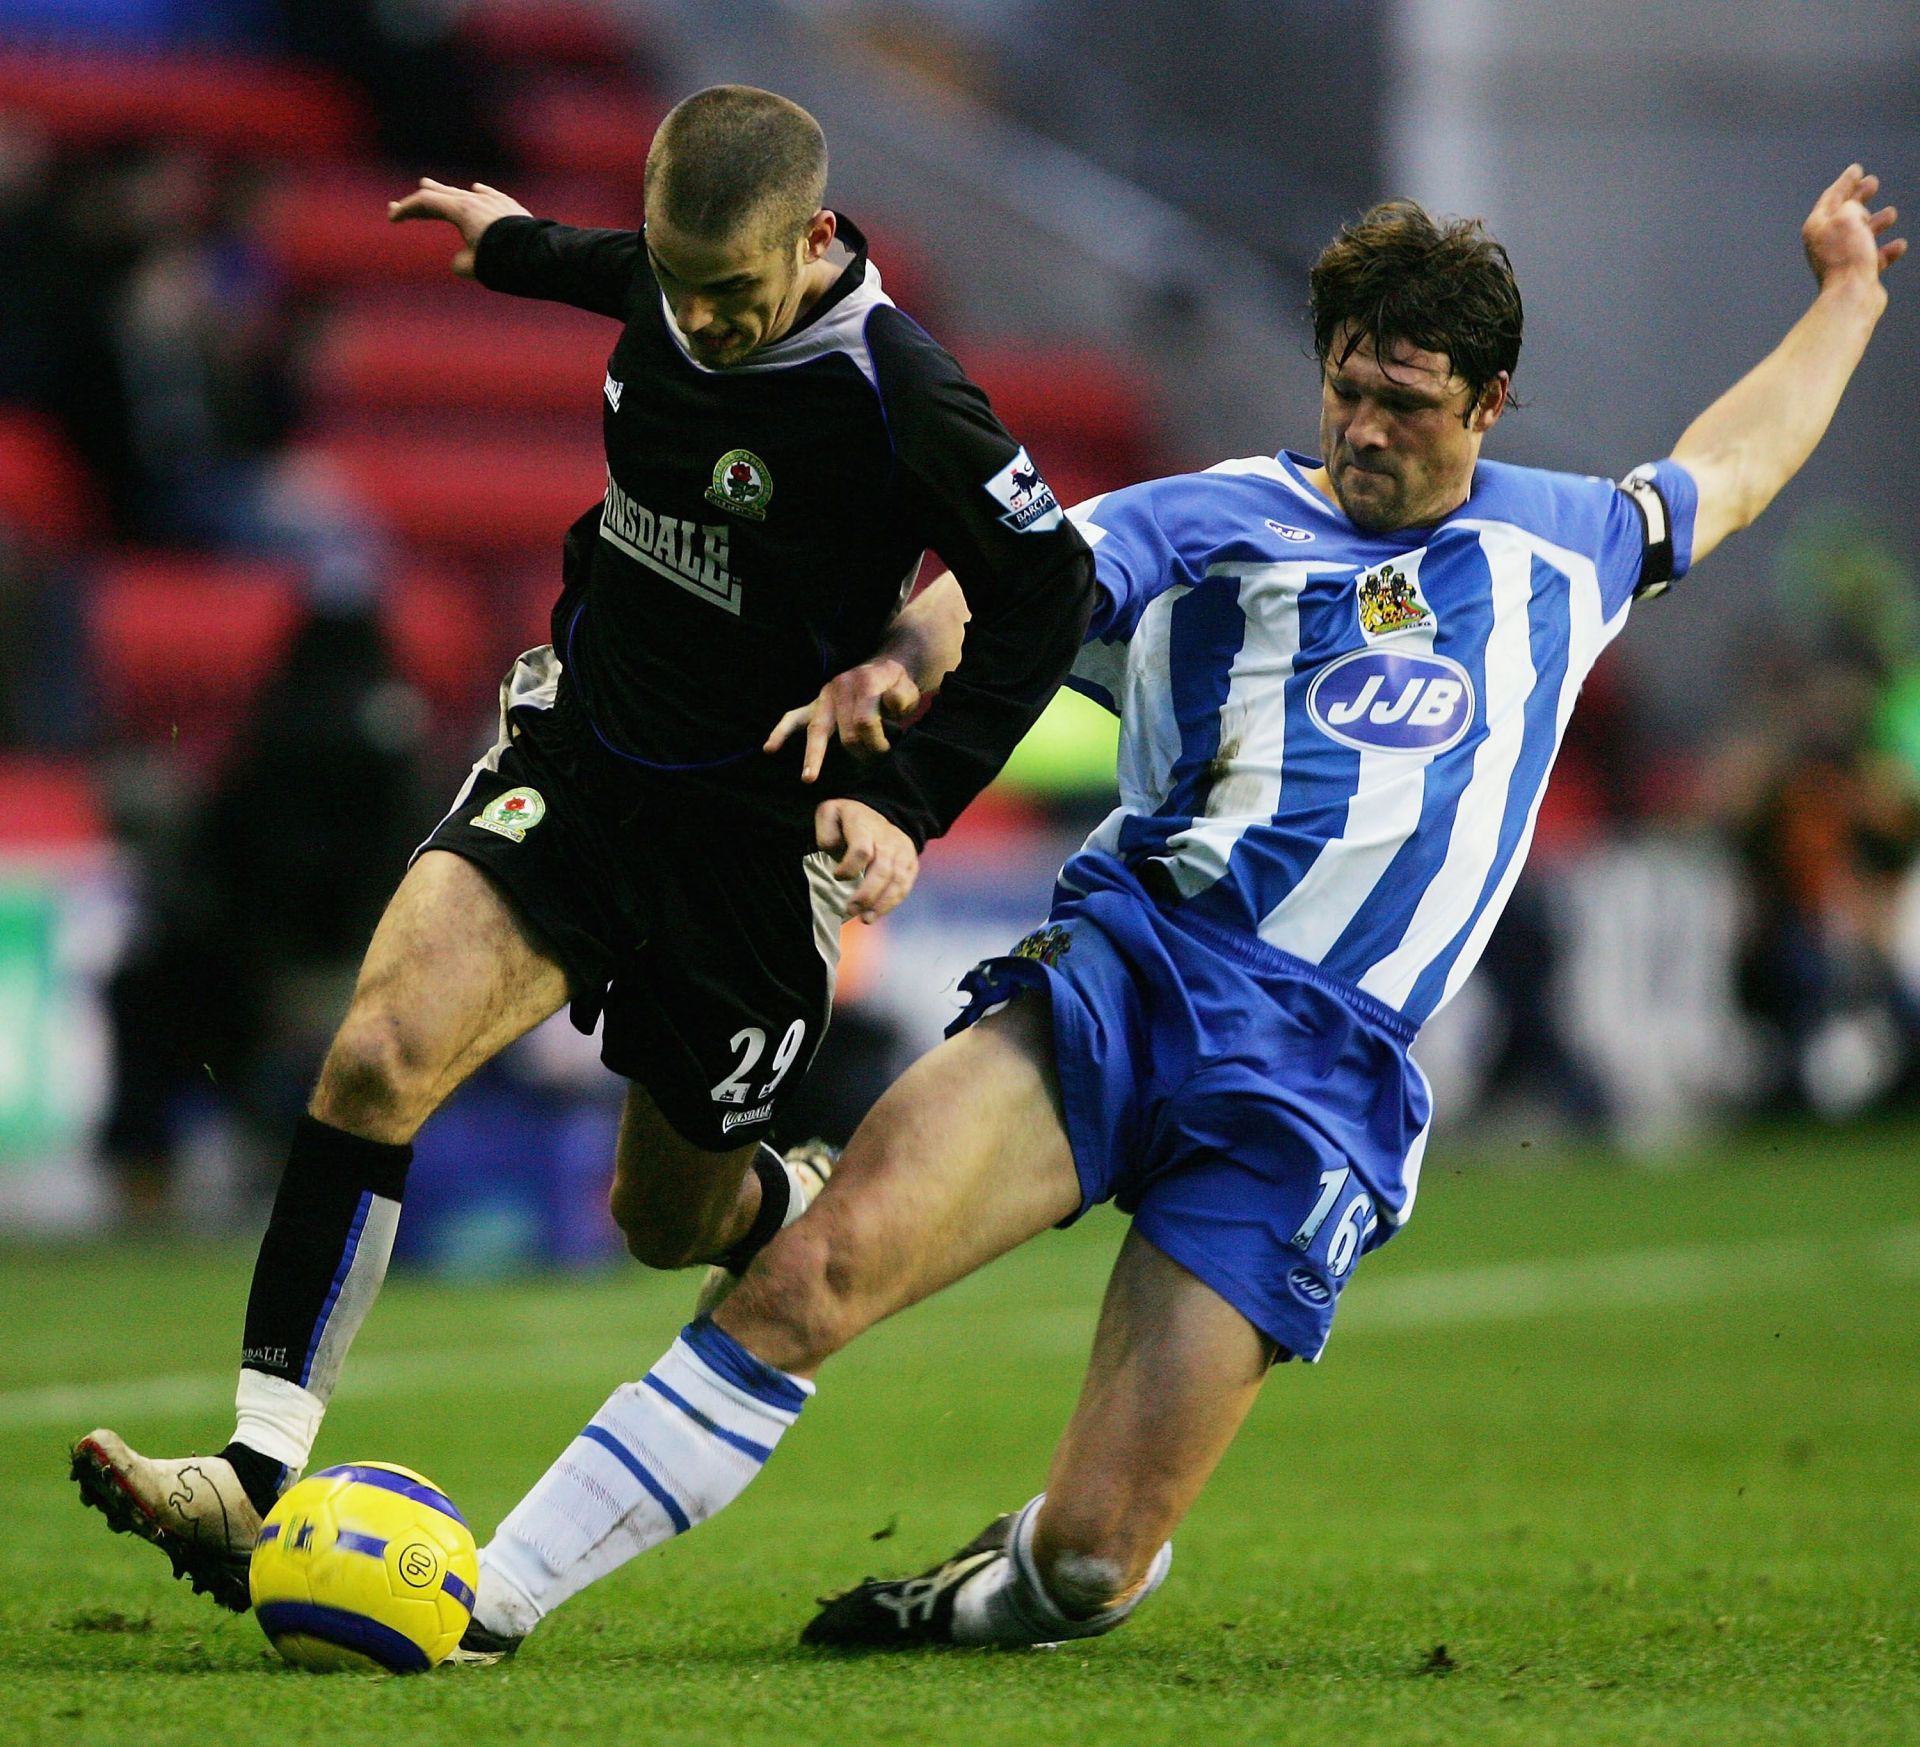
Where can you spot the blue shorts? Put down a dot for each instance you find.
(1259, 1118)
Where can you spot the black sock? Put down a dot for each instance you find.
(324, 1253)
(261, 1477)
(776, 1196)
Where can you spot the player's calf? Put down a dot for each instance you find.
(789, 1185)
(677, 1204)
(799, 1306)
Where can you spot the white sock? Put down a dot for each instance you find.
(661, 1455)
(1006, 1603)
(799, 1193)
(277, 1418)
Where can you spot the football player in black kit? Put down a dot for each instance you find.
(782, 445)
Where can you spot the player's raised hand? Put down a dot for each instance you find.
(858, 706)
(870, 845)
(468, 210)
(1844, 236)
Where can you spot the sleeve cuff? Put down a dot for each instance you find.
(493, 239)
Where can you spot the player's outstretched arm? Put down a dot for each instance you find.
(590, 269)
(1757, 435)
(468, 210)
(920, 648)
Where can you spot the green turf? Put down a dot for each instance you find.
(1640, 1450)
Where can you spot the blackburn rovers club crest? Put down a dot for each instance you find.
(742, 484)
(1044, 945)
(513, 814)
(1390, 601)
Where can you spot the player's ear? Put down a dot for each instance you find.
(817, 238)
(1491, 404)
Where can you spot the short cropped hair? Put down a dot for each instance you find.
(732, 155)
(1399, 277)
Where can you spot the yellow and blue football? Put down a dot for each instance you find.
(364, 1566)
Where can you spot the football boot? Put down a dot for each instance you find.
(480, 1648)
(193, 1509)
(890, 1613)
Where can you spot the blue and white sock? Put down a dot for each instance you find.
(661, 1455)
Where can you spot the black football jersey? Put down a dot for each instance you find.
(764, 521)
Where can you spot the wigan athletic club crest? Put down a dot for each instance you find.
(1044, 945)
(1390, 601)
(742, 484)
(513, 814)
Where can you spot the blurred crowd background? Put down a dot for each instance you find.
(279, 499)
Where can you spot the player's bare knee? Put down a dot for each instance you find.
(375, 1076)
(646, 1227)
(656, 1235)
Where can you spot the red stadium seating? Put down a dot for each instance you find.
(228, 104)
(44, 490)
(469, 494)
(582, 125)
(1083, 418)
(577, 33)
(443, 640)
(611, 202)
(329, 227)
(51, 803)
(1072, 400)
(479, 353)
(181, 643)
(526, 604)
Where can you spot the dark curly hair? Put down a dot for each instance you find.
(1399, 277)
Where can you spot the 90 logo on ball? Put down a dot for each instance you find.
(418, 1565)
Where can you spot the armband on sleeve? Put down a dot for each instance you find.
(1656, 567)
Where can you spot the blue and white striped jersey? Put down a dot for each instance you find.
(1338, 740)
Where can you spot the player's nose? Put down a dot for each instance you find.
(1367, 429)
(694, 314)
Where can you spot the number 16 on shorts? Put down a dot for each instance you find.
(1336, 1241)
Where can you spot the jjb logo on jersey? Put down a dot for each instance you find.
(1026, 500)
(1379, 700)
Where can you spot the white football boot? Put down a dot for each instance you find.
(812, 1163)
(193, 1509)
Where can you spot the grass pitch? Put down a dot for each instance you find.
(1596, 1456)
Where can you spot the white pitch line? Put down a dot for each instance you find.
(1621, 1280)
(1439, 1298)
(449, 1371)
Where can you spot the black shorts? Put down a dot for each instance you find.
(708, 945)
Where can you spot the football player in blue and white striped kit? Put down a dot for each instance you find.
(1341, 684)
